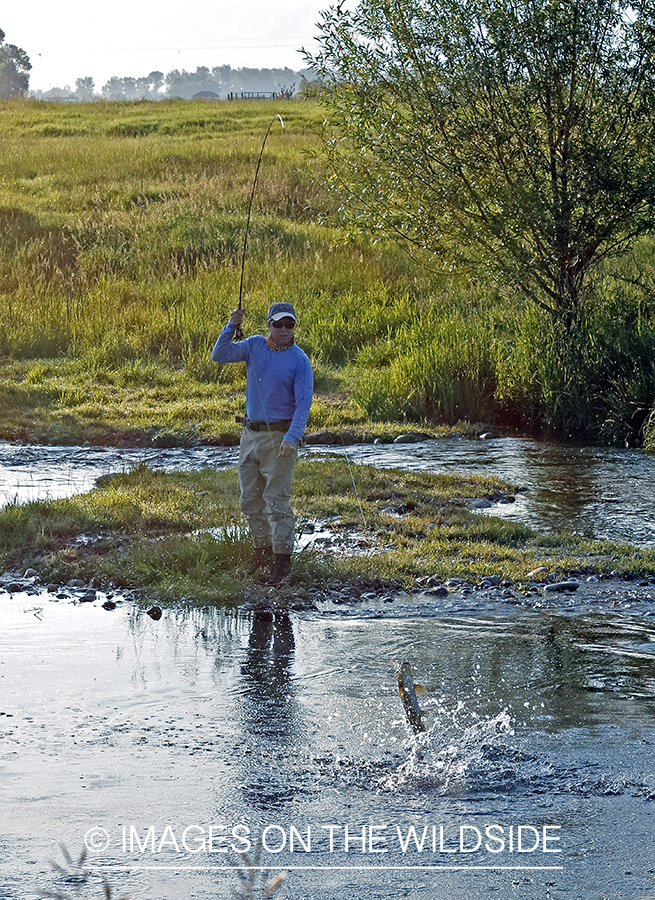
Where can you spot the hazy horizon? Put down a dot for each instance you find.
(142, 36)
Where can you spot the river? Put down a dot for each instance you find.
(600, 492)
(168, 744)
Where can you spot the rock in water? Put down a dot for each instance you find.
(561, 586)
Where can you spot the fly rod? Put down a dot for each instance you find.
(238, 333)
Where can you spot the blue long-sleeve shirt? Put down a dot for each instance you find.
(279, 384)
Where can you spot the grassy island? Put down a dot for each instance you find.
(181, 535)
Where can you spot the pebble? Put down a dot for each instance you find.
(434, 581)
(413, 437)
(490, 581)
(561, 586)
(343, 593)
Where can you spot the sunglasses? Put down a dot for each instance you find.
(284, 323)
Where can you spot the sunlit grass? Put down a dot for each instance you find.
(121, 231)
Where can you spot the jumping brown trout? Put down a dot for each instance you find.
(407, 693)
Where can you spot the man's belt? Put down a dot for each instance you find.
(281, 425)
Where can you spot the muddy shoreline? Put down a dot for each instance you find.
(70, 431)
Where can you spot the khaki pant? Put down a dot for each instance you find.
(265, 482)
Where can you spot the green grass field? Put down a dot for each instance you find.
(181, 534)
(121, 231)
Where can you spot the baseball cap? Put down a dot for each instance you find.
(281, 311)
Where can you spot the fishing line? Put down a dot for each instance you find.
(358, 498)
(238, 334)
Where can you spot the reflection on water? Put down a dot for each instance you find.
(601, 492)
(266, 705)
(537, 718)
(596, 491)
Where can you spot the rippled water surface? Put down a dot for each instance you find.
(143, 735)
(166, 745)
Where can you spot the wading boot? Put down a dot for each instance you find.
(280, 570)
(262, 559)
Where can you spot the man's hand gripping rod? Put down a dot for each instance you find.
(238, 333)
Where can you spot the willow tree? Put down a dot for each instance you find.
(515, 137)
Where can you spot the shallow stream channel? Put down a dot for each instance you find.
(167, 747)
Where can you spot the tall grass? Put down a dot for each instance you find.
(438, 364)
(600, 385)
(124, 223)
(121, 230)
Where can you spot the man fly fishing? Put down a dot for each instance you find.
(279, 390)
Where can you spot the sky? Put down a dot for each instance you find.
(80, 38)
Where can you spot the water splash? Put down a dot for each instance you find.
(455, 749)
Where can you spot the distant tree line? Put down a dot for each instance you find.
(220, 80)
